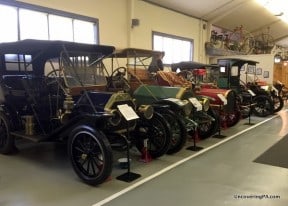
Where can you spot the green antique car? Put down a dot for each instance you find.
(144, 88)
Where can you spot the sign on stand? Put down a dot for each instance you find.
(129, 114)
(196, 103)
(222, 98)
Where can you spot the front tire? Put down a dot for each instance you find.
(264, 106)
(90, 154)
(157, 131)
(178, 131)
(278, 103)
(7, 142)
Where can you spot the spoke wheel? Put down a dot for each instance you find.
(90, 154)
(178, 131)
(7, 142)
(278, 103)
(263, 107)
(157, 131)
(208, 127)
(233, 118)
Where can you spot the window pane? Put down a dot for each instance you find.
(18, 62)
(176, 49)
(8, 23)
(84, 32)
(33, 25)
(60, 28)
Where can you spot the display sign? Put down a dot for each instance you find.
(127, 112)
(196, 103)
(222, 98)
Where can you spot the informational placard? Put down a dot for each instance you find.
(196, 103)
(222, 98)
(251, 93)
(127, 112)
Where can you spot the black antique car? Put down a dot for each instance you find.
(55, 91)
(265, 102)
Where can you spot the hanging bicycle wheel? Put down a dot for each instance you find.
(264, 43)
(241, 40)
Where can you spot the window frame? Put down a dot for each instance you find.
(73, 16)
(174, 37)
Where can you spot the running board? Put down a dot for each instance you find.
(33, 138)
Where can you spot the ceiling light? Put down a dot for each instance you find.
(278, 8)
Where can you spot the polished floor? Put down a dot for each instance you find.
(222, 173)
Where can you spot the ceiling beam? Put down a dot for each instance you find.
(222, 11)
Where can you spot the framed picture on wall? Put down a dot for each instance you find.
(266, 74)
(250, 69)
(258, 71)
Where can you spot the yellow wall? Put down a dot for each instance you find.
(115, 22)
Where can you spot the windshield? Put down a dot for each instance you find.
(78, 69)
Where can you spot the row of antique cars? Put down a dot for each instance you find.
(57, 91)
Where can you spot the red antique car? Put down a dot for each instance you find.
(222, 100)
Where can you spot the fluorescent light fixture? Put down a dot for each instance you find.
(278, 8)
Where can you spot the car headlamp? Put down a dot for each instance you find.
(205, 104)
(146, 111)
(116, 118)
(187, 107)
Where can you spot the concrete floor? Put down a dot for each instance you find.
(40, 174)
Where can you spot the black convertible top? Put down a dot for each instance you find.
(190, 65)
(51, 48)
(135, 52)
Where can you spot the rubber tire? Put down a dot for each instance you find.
(260, 109)
(7, 142)
(178, 130)
(213, 127)
(157, 145)
(233, 118)
(100, 142)
(279, 101)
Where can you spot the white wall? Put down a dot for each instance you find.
(266, 63)
(115, 22)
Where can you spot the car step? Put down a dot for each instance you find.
(33, 138)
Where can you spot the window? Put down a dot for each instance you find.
(18, 62)
(60, 28)
(8, 20)
(176, 49)
(45, 24)
(33, 25)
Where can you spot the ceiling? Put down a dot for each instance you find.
(229, 14)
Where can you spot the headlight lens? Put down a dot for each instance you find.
(205, 104)
(116, 119)
(187, 107)
(146, 111)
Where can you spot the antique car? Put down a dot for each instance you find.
(144, 87)
(222, 101)
(55, 91)
(266, 102)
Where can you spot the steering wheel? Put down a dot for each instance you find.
(55, 73)
(188, 75)
(117, 80)
(120, 71)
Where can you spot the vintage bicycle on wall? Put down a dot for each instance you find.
(240, 40)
